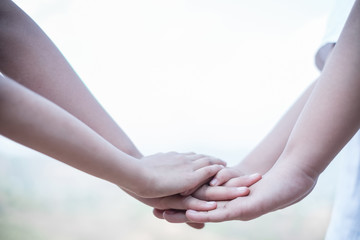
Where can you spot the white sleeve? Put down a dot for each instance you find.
(337, 20)
(335, 24)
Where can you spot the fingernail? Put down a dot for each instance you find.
(191, 211)
(241, 189)
(170, 212)
(213, 182)
(254, 175)
(210, 203)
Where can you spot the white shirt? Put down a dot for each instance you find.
(345, 219)
(335, 24)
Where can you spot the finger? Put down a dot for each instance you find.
(188, 192)
(204, 161)
(158, 213)
(196, 225)
(176, 216)
(192, 190)
(171, 153)
(203, 181)
(188, 202)
(189, 153)
(220, 193)
(203, 174)
(217, 215)
(243, 180)
(223, 176)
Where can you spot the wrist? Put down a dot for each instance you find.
(300, 162)
(297, 169)
(245, 168)
(128, 172)
(139, 179)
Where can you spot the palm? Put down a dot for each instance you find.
(276, 190)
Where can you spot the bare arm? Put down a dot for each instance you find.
(33, 121)
(267, 152)
(330, 117)
(29, 57)
(332, 114)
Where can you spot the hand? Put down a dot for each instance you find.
(166, 174)
(280, 187)
(181, 203)
(178, 216)
(238, 188)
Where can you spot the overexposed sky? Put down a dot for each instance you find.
(199, 75)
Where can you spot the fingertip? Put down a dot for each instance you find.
(213, 169)
(255, 176)
(191, 212)
(203, 174)
(158, 213)
(210, 205)
(193, 216)
(219, 166)
(214, 182)
(221, 177)
(200, 205)
(222, 163)
(196, 225)
(175, 216)
(242, 191)
(169, 212)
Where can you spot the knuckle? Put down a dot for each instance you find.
(221, 175)
(207, 161)
(187, 202)
(162, 204)
(190, 153)
(208, 170)
(207, 195)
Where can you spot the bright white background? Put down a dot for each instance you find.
(206, 76)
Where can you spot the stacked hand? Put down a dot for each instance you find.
(233, 200)
(179, 184)
(173, 183)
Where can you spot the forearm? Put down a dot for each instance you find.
(35, 122)
(332, 114)
(267, 152)
(28, 56)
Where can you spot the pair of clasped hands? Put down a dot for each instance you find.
(202, 189)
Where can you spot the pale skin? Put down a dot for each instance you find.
(28, 57)
(33, 121)
(301, 145)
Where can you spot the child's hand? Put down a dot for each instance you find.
(238, 188)
(178, 202)
(171, 173)
(280, 187)
(228, 184)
